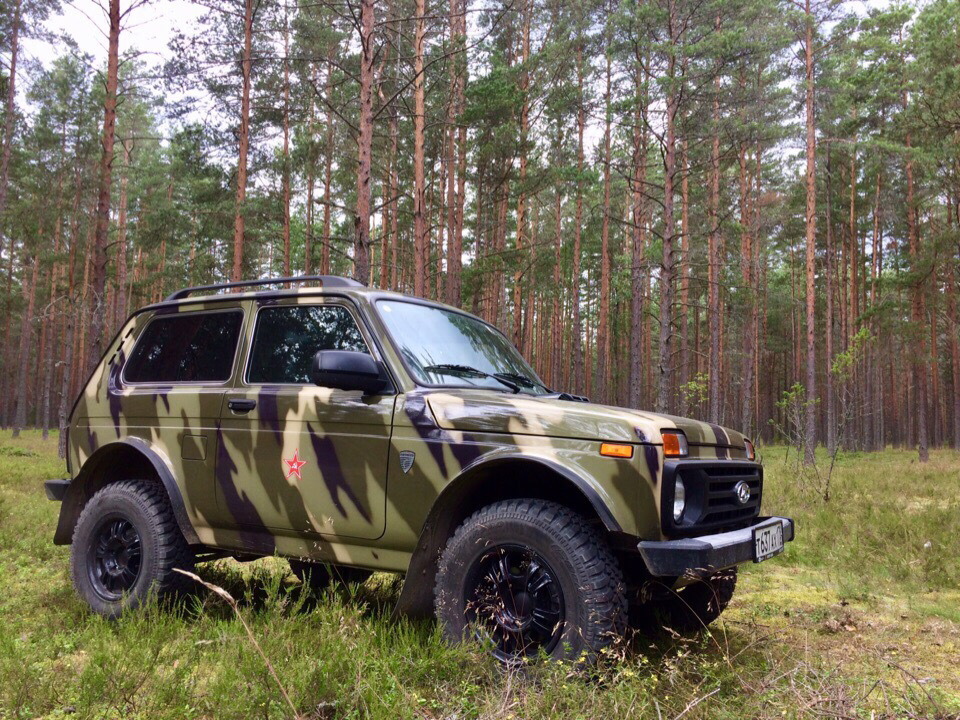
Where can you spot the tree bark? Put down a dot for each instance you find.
(683, 376)
(311, 178)
(23, 355)
(713, 260)
(328, 172)
(665, 359)
(578, 222)
(286, 146)
(97, 307)
(120, 305)
(458, 138)
(917, 311)
(746, 267)
(361, 220)
(951, 281)
(602, 385)
(10, 110)
(637, 270)
(828, 320)
(522, 195)
(810, 429)
(419, 183)
(244, 142)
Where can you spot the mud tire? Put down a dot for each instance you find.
(586, 572)
(143, 505)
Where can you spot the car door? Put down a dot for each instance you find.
(168, 394)
(293, 456)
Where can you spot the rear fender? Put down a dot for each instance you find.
(126, 458)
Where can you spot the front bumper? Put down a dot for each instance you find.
(56, 489)
(705, 554)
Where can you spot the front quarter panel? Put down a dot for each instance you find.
(441, 456)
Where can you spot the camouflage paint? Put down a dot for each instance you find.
(353, 503)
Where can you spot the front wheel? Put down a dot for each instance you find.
(525, 576)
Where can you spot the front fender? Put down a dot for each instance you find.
(505, 473)
(594, 493)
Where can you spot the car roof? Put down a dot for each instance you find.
(308, 286)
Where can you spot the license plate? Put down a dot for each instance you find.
(767, 541)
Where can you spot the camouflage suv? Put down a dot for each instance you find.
(354, 430)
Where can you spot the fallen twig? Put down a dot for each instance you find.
(220, 592)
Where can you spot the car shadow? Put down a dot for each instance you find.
(268, 585)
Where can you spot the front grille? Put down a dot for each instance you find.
(712, 503)
(722, 503)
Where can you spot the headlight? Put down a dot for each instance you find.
(748, 446)
(679, 500)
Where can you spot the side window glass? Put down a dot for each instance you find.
(186, 348)
(287, 338)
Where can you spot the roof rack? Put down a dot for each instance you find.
(324, 280)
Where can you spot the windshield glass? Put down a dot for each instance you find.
(441, 347)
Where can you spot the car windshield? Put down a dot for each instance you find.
(441, 347)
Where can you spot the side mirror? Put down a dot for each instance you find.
(347, 370)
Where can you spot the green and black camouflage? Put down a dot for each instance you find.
(379, 477)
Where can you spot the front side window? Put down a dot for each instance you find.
(287, 338)
(441, 347)
(186, 348)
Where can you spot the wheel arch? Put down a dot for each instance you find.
(502, 478)
(124, 459)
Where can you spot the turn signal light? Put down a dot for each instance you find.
(748, 446)
(674, 444)
(616, 450)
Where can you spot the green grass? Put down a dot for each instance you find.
(859, 618)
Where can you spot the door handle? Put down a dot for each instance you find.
(241, 405)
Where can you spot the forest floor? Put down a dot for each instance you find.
(859, 618)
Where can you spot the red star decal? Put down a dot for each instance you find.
(295, 465)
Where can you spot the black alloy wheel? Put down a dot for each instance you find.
(514, 601)
(530, 576)
(116, 554)
(127, 547)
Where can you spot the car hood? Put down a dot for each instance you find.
(494, 412)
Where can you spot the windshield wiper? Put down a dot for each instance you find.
(453, 369)
(522, 379)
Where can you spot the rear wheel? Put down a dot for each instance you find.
(126, 546)
(525, 576)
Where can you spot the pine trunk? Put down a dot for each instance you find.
(97, 307)
(419, 182)
(368, 51)
(810, 429)
(244, 142)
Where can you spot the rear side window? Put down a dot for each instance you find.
(186, 348)
(287, 338)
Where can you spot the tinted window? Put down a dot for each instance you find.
(287, 338)
(191, 347)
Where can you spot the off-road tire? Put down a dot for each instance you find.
(585, 570)
(144, 505)
(694, 607)
(319, 576)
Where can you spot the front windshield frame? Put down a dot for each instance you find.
(398, 349)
